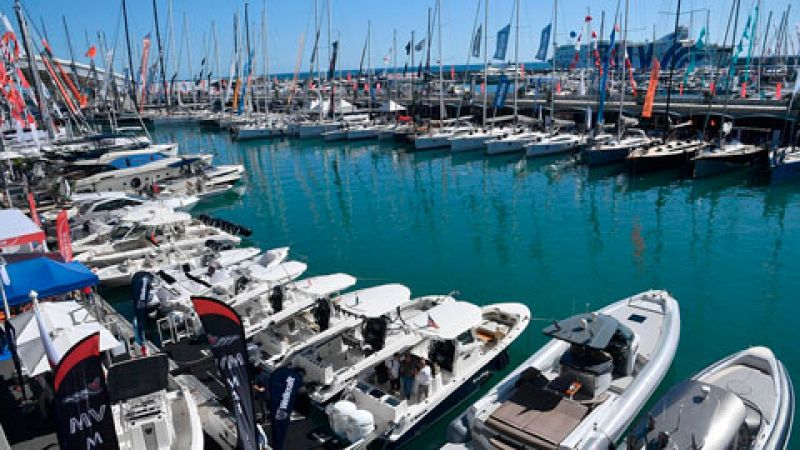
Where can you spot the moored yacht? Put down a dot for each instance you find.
(512, 142)
(743, 401)
(554, 144)
(668, 155)
(473, 139)
(462, 345)
(611, 150)
(583, 388)
(784, 164)
(716, 159)
(326, 319)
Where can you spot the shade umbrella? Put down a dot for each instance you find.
(67, 323)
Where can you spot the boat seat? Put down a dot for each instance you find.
(582, 363)
(537, 417)
(593, 374)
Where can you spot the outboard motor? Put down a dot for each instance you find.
(374, 333)
(276, 299)
(322, 314)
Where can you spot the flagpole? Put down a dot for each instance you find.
(4, 277)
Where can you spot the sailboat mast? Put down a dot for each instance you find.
(160, 54)
(189, 55)
(130, 56)
(485, 59)
(369, 69)
(672, 66)
(516, 62)
(555, 52)
(624, 72)
(37, 82)
(441, 63)
(265, 50)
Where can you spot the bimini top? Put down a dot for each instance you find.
(707, 414)
(591, 330)
(288, 270)
(323, 285)
(375, 301)
(448, 320)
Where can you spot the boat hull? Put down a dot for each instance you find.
(650, 164)
(594, 158)
(708, 167)
(784, 171)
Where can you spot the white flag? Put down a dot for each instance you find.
(4, 275)
(796, 82)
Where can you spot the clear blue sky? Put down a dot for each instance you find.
(288, 19)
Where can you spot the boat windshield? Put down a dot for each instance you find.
(122, 231)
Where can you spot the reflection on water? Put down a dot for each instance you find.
(546, 231)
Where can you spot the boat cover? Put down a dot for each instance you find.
(324, 284)
(448, 320)
(589, 330)
(375, 301)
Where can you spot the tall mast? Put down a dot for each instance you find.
(160, 54)
(265, 50)
(672, 66)
(130, 56)
(216, 62)
(624, 72)
(555, 52)
(332, 73)
(516, 62)
(485, 59)
(441, 63)
(71, 52)
(189, 54)
(37, 82)
(369, 69)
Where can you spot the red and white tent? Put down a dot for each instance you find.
(18, 233)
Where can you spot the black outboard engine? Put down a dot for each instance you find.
(375, 333)
(322, 314)
(276, 299)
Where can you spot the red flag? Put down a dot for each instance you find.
(483, 87)
(92, 52)
(647, 108)
(452, 73)
(378, 87)
(522, 68)
(63, 234)
(744, 90)
(32, 209)
(712, 88)
(558, 87)
(778, 91)
(680, 89)
(588, 19)
(348, 76)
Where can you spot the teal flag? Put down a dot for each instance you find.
(698, 47)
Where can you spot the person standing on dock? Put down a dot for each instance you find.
(261, 388)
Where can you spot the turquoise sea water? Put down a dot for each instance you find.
(547, 233)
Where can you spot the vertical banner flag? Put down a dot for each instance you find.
(476, 42)
(647, 109)
(544, 42)
(225, 334)
(143, 70)
(502, 42)
(64, 236)
(604, 78)
(82, 401)
(33, 211)
(332, 67)
(284, 384)
(141, 283)
(502, 92)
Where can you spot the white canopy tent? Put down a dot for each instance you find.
(67, 323)
(392, 106)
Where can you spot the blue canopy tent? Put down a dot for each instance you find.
(45, 276)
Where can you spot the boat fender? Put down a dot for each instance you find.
(458, 431)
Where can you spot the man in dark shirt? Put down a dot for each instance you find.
(408, 370)
(261, 390)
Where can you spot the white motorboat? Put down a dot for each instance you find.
(463, 344)
(196, 258)
(235, 283)
(744, 401)
(331, 365)
(555, 144)
(151, 409)
(583, 388)
(511, 142)
(159, 232)
(280, 341)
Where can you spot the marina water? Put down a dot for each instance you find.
(545, 232)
